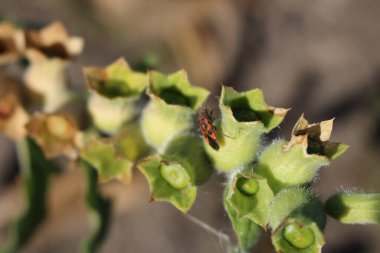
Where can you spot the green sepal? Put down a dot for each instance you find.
(250, 106)
(115, 92)
(296, 201)
(116, 80)
(182, 196)
(246, 231)
(334, 150)
(355, 208)
(100, 210)
(288, 167)
(245, 117)
(188, 150)
(297, 162)
(175, 89)
(36, 171)
(172, 107)
(101, 154)
(130, 142)
(250, 204)
(304, 237)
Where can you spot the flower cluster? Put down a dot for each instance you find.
(147, 120)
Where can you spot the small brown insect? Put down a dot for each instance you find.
(207, 128)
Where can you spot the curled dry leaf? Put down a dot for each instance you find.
(12, 43)
(53, 41)
(55, 133)
(314, 138)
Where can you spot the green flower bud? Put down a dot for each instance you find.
(296, 201)
(247, 231)
(101, 155)
(188, 150)
(247, 186)
(169, 181)
(172, 107)
(115, 92)
(298, 235)
(355, 208)
(297, 218)
(130, 142)
(245, 117)
(250, 195)
(297, 162)
(175, 175)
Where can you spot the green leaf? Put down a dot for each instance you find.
(165, 179)
(355, 208)
(250, 196)
(245, 229)
(36, 171)
(101, 154)
(100, 210)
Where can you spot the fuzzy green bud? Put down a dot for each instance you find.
(299, 201)
(172, 107)
(115, 92)
(355, 208)
(297, 162)
(297, 218)
(130, 142)
(188, 150)
(245, 117)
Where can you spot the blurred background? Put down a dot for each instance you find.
(321, 58)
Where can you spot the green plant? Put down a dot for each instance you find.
(270, 189)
